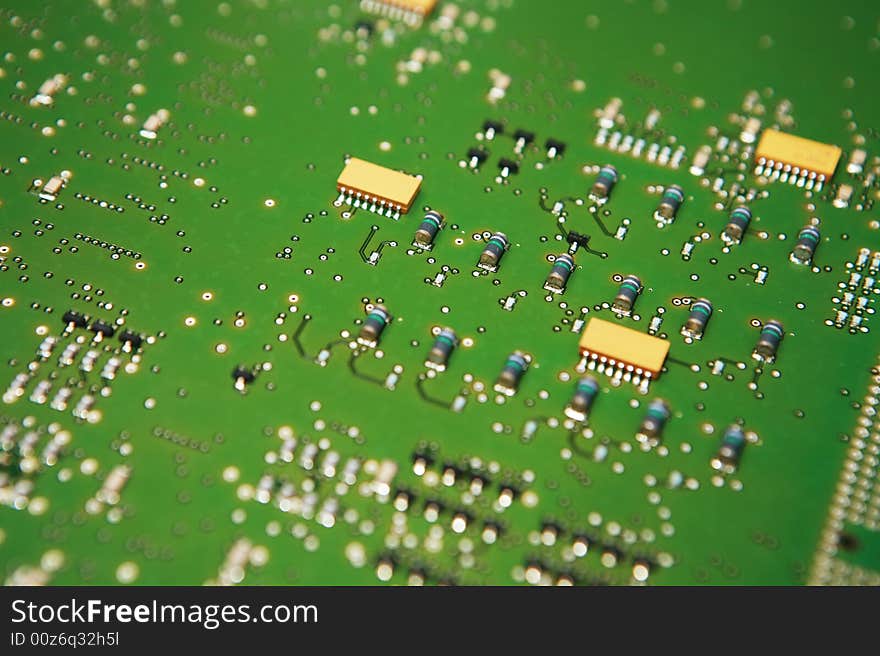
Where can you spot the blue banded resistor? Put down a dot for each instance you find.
(737, 224)
(515, 367)
(377, 320)
(428, 229)
(444, 344)
(627, 294)
(768, 342)
(654, 421)
(698, 319)
(585, 393)
(604, 183)
(730, 451)
(493, 252)
(673, 197)
(805, 248)
(559, 274)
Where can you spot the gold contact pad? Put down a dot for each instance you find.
(805, 154)
(624, 346)
(376, 182)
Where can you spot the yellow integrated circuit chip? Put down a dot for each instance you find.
(623, 351)
(409, 11)
(424, 7)
(376, 188)
(794, 159)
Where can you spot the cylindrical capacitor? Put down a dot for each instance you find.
(805, 248)
(627, 294)
(428, 229)
(698, 319)
(654, 421)
(604, 183)
(493, 252)
(768, 342)
(737, 225)
(377, 320)
(673, 197)
(731, 449)
(558, 277)
(444, 345)
(514, 369)
(582, 400)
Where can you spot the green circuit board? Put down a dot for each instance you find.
(411, 292)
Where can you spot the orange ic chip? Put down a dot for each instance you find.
(423, 7)
(376, 188)
(410, 11)
(787, 153)
(619, 347)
